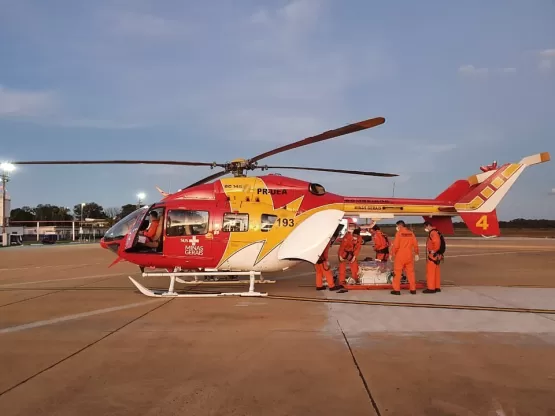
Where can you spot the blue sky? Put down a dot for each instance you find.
(459, 83)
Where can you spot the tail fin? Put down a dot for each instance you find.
(478, 207)
(450, 196)
(484, 224)
(456, 191)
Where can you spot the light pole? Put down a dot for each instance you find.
(6, 168)
(81, 222)
(141, 196)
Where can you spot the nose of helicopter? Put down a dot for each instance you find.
(112, 245)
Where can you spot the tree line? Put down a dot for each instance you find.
(518, 223)
(54, 213)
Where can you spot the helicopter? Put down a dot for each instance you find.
(247, 225)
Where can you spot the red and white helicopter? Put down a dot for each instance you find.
(248, 225)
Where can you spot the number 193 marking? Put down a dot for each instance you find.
(286, 222)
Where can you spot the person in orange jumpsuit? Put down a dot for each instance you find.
(435, 256)
(150, 232)
(323, 269)
(381, 244)
(404, 253)
(348, 252)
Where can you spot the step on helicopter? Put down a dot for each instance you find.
(245, 225)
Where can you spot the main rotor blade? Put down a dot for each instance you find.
(124, 162)
(351, 172)
(207, 179)
(330, 134)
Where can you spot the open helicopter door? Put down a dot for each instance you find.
(131, 239)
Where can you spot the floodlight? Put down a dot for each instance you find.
(7, 167)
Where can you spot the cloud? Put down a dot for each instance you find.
(94, 124)
(296, 75)
(21, 103)
(471, 70)
(148, 25)
(270, 73)
(439, 148)
(547, 59)
(552, 192)
(47, 108)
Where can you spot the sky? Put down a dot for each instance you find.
(460, 84)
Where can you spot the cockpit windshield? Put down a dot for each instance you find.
(122, 227)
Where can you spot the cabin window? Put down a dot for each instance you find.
(267, 221)
(235, 222)
(316, 189)
(186, 222)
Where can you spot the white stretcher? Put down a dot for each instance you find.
(371, 272)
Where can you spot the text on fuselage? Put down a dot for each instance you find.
(265, 191)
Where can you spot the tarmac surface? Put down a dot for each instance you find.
(78, 338)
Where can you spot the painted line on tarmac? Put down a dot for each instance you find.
(38, 324)
(9, 269)
(292, 277)
(495, 253)
(11, 285)
(487, 246)
(61, 280)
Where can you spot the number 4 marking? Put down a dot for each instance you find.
(483, 222)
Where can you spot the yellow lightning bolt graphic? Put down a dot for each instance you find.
(244, 198)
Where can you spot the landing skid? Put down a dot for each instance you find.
(177, 277)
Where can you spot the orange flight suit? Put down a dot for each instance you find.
(381, 246)
(405, 247)
(151, 230)
(323, 269)
(349, 250)
(433, 278)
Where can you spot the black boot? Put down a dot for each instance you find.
(413, 292)
(438, 290)
(429, 291)
(320, 288)
(395, 292)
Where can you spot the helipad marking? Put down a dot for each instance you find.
(66, 318)
(9, 269)
(494, 253)
(60, 280)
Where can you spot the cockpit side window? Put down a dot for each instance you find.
(186, 222)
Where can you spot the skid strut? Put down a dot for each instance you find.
(177, 275)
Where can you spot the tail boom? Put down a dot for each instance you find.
(475, 200)
(386, 207)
